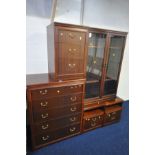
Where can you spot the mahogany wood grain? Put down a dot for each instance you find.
(55, 124)
(45, 115)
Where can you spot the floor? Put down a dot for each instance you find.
(109, 140)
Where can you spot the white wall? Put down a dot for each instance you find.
(36, 44)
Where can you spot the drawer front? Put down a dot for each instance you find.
(57, 112)
(54, 135)
(58, 91)
(71, 58)
(71, 37)
(49, 103)
(93, 122)
(57, 123)
(113, 116)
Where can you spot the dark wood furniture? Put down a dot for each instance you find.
(81, 93)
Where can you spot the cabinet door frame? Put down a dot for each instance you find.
(75, 75)
(103, 60)
(109, 36)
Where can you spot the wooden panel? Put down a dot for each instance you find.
(55, 91)
(70, 53)
(58, 101)
(60, 133)
(56, 113)
(57, 123)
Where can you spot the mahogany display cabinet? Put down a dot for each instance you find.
(79, 92)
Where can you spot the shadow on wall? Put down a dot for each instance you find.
(39, 8)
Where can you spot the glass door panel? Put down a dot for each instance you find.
(113, 66)
(96, 46)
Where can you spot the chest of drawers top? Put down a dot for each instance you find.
(45, 80)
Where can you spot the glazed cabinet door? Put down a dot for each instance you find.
(70, 53)
(95, 58)
(113, 66)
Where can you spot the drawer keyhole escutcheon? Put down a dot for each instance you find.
(73, 109)
(43, 92)
(44, 127)
(73, 119)
(45, 138)
(43, 104)
(73, 98)
(44, 116)
(72, 129)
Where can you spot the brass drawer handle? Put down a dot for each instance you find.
(112, 118)
(71, 35)
(73, 109)
(44, 127)
(113, 113)
(44, 116)
(72, 119)
(43, 104)
(71, 65)
(73, 98)
(72, 129)
(93, 124)
(69, 49)
(45, 138)
(94, 119)
(43, 92)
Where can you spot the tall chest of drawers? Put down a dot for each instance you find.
(55, 109)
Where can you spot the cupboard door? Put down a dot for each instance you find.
(115, 53)
(70, 54)
(95, 58)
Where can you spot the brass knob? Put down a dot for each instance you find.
(109, 115)
(72, 119)
(45, 138)
(72, 129)
(61, 34)
(58, 91)
(44, 127)
(94, 61)
(44, 116)
(80, 38)
(73, 98)
(43, 104)
(74, 49)
(98, 102)
(93, 124)
(69, 49)
(113, 54)
(43, 92)
(73, 109)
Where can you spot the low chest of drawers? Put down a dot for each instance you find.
(55, 110)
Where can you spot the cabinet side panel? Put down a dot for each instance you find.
(51, 48)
